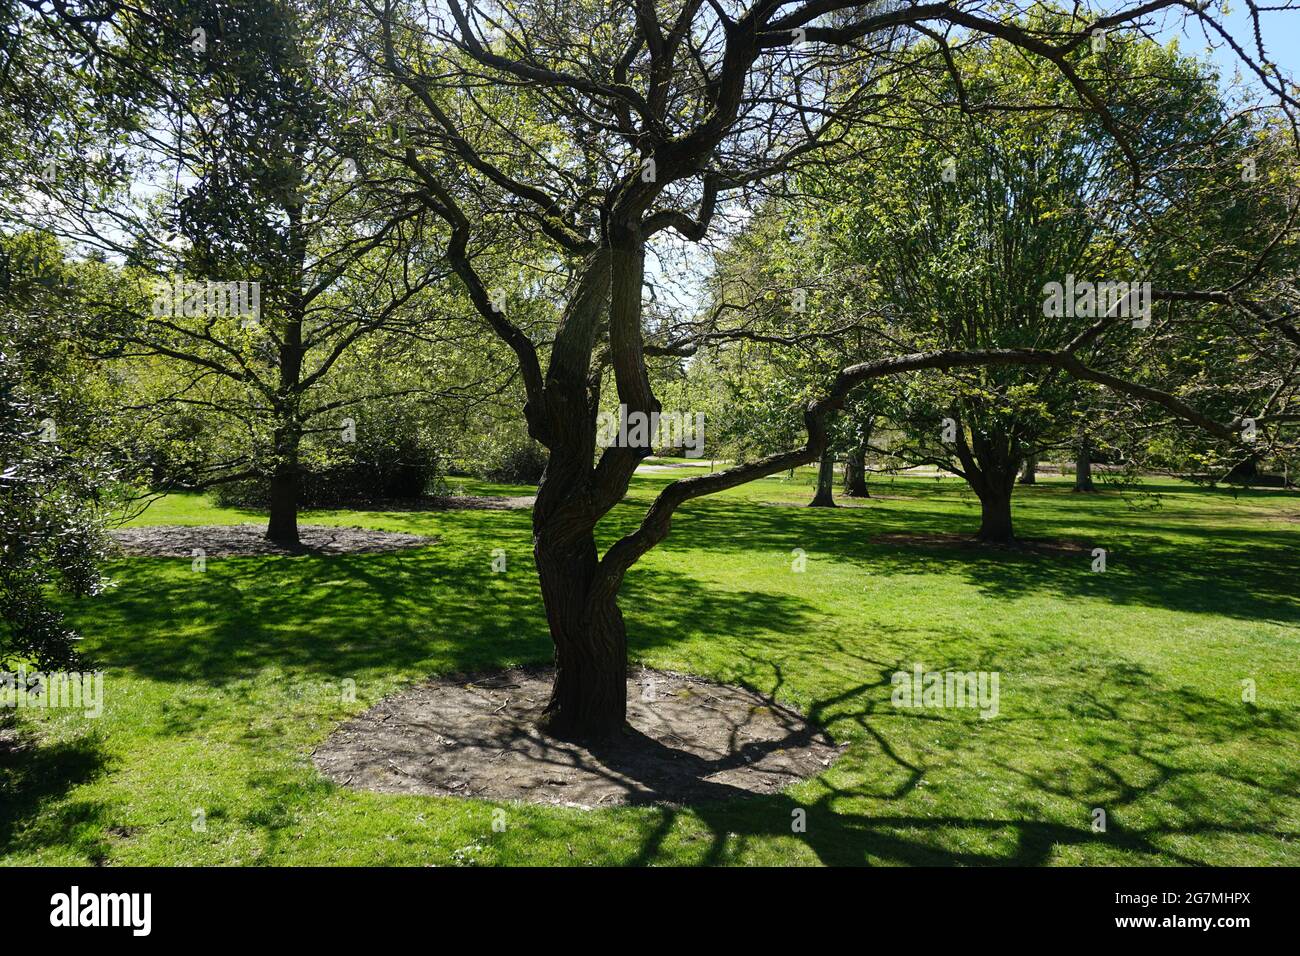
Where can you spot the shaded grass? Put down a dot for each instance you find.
(1120, 691)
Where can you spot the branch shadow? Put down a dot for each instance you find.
(1171, 561)
(839, 829)
(35, 779)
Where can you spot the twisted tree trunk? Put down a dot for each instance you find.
(589, 695)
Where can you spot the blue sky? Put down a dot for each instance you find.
(1280, 29)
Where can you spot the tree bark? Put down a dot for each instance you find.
(1245, 471)
(995, 515)
(282, 525)
(1083, 469)
(990, 462)
(825, 497)
(1029, 474)
(855, 469)
(589, 694)
(855, 473)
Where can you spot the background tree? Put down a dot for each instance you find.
(786, 316)
(964, 216)
(236, 155)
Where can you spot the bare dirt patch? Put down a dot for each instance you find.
(466, 736)
(1031, 545)
(233, 540)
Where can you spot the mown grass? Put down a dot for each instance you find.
(1119, 690)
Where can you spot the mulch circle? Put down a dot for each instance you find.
(235, 540)
(689, 741)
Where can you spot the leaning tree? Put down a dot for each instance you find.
(599, 127)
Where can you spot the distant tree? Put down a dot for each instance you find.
(238, 154)
(965, 219)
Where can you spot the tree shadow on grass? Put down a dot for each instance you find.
(330, 617)
(442, 608)
(353, 617)
(1145, 572)
(853, 825)
(429, 611)
(1236, 572)
(35, 777)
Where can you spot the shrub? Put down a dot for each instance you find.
(371, 472)
(520, 463)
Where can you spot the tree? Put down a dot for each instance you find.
(226, 180)
(576, 139)
(781, 323)
(597, 128)
(966, 219)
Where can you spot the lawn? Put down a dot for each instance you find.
(1120, 690)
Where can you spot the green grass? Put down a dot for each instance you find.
(1119, 690)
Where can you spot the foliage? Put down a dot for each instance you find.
(53, 480)
(507, 455)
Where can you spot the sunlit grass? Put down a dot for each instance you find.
(1119, 690)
